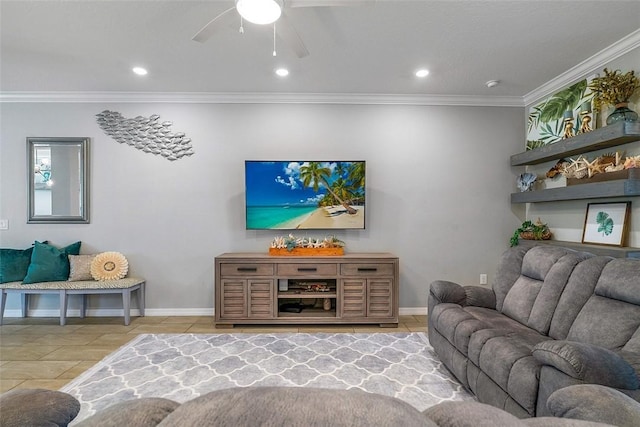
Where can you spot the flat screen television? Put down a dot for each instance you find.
(294, 194)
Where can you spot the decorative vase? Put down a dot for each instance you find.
(622, 113)
(326, 304)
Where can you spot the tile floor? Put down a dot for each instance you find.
(39, 353)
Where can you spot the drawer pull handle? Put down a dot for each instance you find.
(249, 269)
(307, 269)
(367, 269)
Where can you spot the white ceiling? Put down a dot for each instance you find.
(91, 46)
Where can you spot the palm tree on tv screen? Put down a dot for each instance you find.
(313, 174)
(356, 174)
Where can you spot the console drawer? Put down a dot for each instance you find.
(307, 269)
(366, 270)
(246, 269)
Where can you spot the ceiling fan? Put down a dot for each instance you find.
(264, 12)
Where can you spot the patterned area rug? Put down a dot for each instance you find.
(182, 367)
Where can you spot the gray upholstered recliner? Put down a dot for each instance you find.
(595, 403)
(262, 406)
(553, 318)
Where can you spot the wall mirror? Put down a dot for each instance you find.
(58, 180)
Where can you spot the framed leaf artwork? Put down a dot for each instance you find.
(546, 120)
(606, 223)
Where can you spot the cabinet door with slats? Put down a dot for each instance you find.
(261, 298)
(353, 294)
(380, 298)
(233, 299)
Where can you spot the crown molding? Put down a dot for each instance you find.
(585, 68)
(259, 98)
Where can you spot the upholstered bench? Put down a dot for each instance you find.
(83, 287)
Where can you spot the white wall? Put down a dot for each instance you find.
(438, 183)
(566, 219)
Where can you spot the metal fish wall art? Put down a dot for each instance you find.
(148, 134)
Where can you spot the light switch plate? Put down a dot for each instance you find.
(4, 224)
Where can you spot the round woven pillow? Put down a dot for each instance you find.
(109, 266)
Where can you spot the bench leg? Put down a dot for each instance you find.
(63, 307)
(141, 299)
(3, 304)
(24, 304)
(83, 305)
(126, 305)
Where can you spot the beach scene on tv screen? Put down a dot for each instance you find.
(291, 195)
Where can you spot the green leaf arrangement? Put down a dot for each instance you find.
(538, 229)
(605, 223)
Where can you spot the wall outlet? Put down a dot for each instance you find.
(4, 224)
(483, 279)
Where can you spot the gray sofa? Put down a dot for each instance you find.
(262, 406)
(553, 318)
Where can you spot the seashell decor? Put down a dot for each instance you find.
(148, 134)
(525, 181)
(610, 162)
(290, 242)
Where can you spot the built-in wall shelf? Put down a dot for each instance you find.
(612, 251)
(609, 136)
(596, 190)
(606, 137)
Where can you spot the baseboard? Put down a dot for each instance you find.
(413, 311)
(114, 312)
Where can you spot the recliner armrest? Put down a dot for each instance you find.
(443, 291)
(589, 363)
(592, 402)
(478, 296)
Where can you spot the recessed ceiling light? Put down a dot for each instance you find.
(282, 72)
(139, 71)
(422, 72)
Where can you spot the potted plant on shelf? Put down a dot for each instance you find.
(531, 231)
(615, 88)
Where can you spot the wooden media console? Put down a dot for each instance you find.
(256, 288)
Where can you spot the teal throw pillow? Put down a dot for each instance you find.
(14, 264)
(50, 264)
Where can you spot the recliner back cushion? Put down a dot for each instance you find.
(577, 292)
(611, 316)
(605, 322)
(508, 271)
(534, 296)
(620, 280)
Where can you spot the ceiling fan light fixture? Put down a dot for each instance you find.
(261, 12)
(140, 71)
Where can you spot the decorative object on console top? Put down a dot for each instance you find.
(291, 245)
(146, 133)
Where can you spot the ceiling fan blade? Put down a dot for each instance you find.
(209, 30)
(287, 32)
(327, 3)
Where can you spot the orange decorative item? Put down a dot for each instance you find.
(306, 251)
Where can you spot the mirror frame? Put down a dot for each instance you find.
(83, 218)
